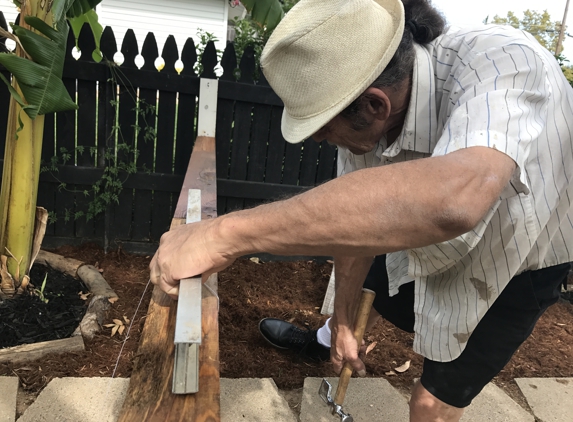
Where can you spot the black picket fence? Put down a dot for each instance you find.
(155, 113)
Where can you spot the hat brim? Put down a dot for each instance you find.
(296, 130)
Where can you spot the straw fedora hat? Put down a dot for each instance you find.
(325, 53)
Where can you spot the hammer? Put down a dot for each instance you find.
(325, 388)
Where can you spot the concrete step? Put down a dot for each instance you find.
(78, 399)
(253, 399)
(493, 405)
(100, 400)
(550, 399)
(258, 400)
(374, 399)
(367, 399)
(8, 394)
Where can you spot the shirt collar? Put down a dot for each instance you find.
(420, 124)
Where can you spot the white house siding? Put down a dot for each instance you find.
(9, 10)
(180, 18)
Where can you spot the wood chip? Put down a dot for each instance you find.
(255, 260)
(403, 368)
(370, 347)
(390, 373)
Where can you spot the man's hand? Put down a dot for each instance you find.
(344, 348)
(350, 273)
(187, 251)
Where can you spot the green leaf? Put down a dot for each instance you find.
(268, 13)
(91, 18)
(72, 8)
(41, 79)
(16, 95)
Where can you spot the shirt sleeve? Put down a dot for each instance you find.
(499, 101)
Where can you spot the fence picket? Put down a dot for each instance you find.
(145, 142)
(225, 109)
(66, 143)
(326, 163)
(309, 162)
(127, 118)
(170, 55)
(209, 61)
(161, 209)
(247, 65)
(258, 148)
(291, 170)
(229, 63)
(86, 129)
(189, 58)
(276, 149)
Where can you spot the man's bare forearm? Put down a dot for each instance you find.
(375, 211)
(349, 275)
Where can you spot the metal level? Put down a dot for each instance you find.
(188, 319)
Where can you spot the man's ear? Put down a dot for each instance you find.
(377, 104)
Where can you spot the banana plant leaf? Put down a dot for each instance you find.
(91, 18)
(72, 8)
(40, 76)
(40, 79)
(267, 13)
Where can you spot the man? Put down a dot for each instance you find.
(463, 158)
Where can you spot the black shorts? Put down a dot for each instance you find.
(505, 326)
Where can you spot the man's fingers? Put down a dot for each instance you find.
(173, 292)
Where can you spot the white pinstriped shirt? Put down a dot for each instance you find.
(496, 87)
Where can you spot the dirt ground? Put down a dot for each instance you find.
(293, 291)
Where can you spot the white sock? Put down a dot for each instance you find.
(323, 334)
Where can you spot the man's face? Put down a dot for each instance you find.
(339, 132)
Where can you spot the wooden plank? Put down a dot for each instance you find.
(149, 396)
(201, 174)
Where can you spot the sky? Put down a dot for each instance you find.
(468, 13)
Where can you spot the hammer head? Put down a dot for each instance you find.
(325, 393)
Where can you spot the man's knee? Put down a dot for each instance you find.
(425, 407)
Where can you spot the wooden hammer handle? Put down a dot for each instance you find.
(360, 325)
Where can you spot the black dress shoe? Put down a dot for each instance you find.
(284, 335)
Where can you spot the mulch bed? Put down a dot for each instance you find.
(293, 291)
(51, 313)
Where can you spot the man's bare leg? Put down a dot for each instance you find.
(424, 407)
